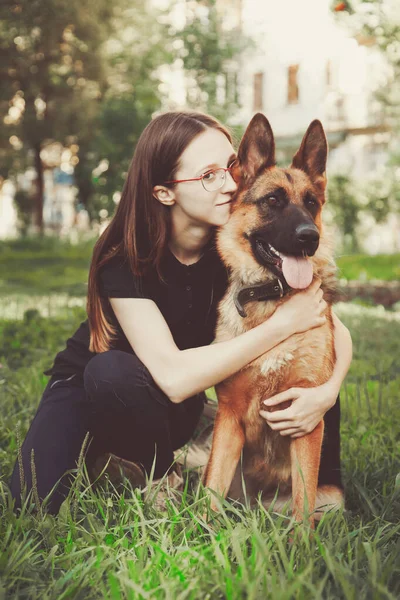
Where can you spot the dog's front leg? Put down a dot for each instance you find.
(305, 454)
(227, 444)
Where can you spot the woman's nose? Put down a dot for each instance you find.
(229, 183)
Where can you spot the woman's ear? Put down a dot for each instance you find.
(164, 195)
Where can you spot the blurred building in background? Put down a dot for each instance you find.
(61, 213)
(305, 66)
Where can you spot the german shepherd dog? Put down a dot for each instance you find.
(274, 245)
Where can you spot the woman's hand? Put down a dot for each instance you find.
(307, 410)
(304, 310)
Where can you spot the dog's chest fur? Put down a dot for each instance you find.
(304, 351)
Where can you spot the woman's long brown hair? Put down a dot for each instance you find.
(140, 226)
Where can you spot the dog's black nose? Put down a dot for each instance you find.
(307, 234)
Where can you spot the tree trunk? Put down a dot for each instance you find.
(39, 195)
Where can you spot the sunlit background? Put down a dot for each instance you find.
(80, 83)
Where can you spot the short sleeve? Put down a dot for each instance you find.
(116, 280)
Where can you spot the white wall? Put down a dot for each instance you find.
(8, 213)
(291, 32)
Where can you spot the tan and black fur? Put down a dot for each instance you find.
(270, 460)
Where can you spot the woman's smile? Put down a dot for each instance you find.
(223, 203)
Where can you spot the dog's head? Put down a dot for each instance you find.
(275, 224)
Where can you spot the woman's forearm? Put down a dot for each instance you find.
(200, 368)
(344, 353)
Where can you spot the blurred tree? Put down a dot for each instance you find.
(207, 55)
(383, 192)
(51, 69)
(380, 21)
(86, 74)
(345, 207)
(210, 55)
(23, 203)
(139, 45)
(377, 23)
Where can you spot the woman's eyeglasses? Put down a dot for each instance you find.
(212, 180)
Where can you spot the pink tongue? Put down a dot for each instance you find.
(297, 271)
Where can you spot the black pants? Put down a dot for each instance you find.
(126, 413)
(123, 409)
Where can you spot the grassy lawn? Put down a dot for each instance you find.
(44, 266)
(362, 266)
(116, 543)
(109, 543)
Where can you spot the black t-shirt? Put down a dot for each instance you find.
(188, 301)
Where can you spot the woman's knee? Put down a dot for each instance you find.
(111, 366)
(117, 376)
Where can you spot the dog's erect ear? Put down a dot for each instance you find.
(257, 148)
(313, 152)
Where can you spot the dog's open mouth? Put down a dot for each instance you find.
(268, 253)
(297, 270)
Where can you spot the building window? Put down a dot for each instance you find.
(258, 84)
(293, 87)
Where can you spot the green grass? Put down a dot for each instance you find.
(116, 543)
(34, 266)
(361, 266)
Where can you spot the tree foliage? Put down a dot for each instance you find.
(378, 23)
(86, 74)
(138, 46)
(345, 207)
(51, 68)
(210, 54)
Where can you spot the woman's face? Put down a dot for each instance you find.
(189, 200)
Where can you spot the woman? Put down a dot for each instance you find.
(134, 373)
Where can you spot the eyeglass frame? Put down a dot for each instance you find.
(225, 169)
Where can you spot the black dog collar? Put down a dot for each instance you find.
(260, 291)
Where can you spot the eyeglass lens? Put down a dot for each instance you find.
(214, 180)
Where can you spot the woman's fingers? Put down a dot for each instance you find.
(279, 415)
(280, 426)
(289, 394)
(292, 432)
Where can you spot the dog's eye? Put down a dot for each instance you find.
(271, 201)
(310, 201)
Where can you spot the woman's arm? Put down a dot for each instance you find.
(310, 404)
(183, 373)
(344, 355)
